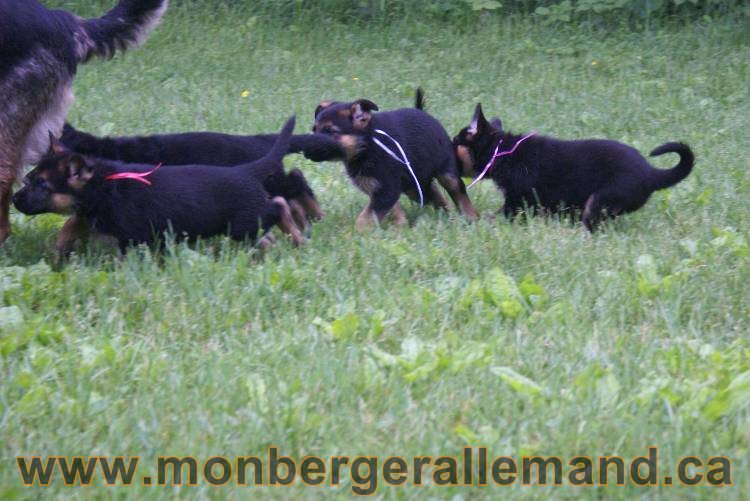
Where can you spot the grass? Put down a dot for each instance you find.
(393, 342)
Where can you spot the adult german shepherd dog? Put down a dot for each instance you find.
(40, 50)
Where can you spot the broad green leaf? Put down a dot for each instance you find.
(519, 383)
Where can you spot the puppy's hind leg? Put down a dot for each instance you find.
(437, 199)
(299, 215)
(433, 196)
(456, 188)
(599, 205)
(305, 195)
(280, 214)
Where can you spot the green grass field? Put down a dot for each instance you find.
(528, 338)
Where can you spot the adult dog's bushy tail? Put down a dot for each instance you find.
(666, 178)
(126, 25)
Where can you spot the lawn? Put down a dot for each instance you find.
(529, 338)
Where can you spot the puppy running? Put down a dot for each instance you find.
(210, 148)
(138, 204)
(40, 50)
(596, 176)
(403, 151)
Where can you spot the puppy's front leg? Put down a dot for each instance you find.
(76, 228)
(366, 218)
(399, 216)
(382, 201)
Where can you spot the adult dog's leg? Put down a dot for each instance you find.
(8, 168)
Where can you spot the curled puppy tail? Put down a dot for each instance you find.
(662, 179)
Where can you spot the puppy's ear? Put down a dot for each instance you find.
(479, 123)
(323, 105)
(80, 171)
(362, 113)
(55, 146)
(497, 124)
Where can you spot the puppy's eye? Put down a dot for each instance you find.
(41, 184)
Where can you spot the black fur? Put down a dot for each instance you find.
(424, 140)
(210, 148)
(207, 148)
(596, 176)
(191, 201)
(420, 101)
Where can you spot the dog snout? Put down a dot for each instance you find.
(19, 200)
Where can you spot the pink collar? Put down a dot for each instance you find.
(499, 154)
(135, 176)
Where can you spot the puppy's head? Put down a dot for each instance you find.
(55, 184)
(474, 144)
(343, 118)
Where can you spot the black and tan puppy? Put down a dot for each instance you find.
(40, 50)
(596, 176)
(413, 137)
(210, 148)
(138, 203)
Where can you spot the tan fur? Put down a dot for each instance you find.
(453, 186)
(366, 219)
(360, 117)
(299, 214)
(61, 203)
(368, 185)
(464, 156)
(311, 207)
(350, 145)
(399, 216)
(287, 224)
(76, 228)
(438, 200)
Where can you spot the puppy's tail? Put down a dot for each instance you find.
(272, 163)
(419, 100)
(662, 179)
(126, 25)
